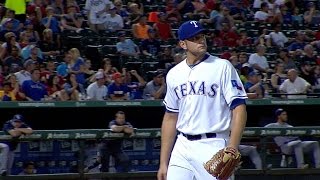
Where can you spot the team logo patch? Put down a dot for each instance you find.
(236, 85)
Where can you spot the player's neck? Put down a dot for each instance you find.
(193, 59)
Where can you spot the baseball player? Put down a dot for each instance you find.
(252, 153)
(205, 109)
(15, 128)
(293, 144)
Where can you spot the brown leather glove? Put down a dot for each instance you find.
(223, 164)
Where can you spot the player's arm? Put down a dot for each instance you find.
(27, 130)
(239, 119)
(168, 135)
(116, 128)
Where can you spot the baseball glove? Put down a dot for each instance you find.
(223, 164)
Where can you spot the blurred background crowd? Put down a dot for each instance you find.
(122, 49)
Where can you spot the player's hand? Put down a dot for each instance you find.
(162, 173)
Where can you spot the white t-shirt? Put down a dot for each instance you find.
(261, 15)
(114, 23)
(298, 86)
(259, 60)
(278, 38)
(202, 95)
(22, 76)
(94, 92)
(95, 6)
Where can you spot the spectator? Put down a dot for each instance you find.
(113, 148)
(306, 72)
(309, 55)
(97, 91)
(312, 15)
(7, 94)
(258, 61)
(77, 65)
(122, 11)
(58, 7)
(7, 26)
(28, 168)
(277, 37)
(229, 36)
(25, 73)
(294, 85)
(30, 33)
(262, 15)
(5, 48)
(34, 89)
(15, 127)
(63, 68)
(287, 61)
(10, 16)
(127, 47)
(135, 84)
(163, 28)
(97, 13)
(254, 86)
(151, 46)
(54, 88)
(13, 63)
(32, 52)
(71, 88)
(135, 12)
(15, 87)
(140, 29)
(298, 43)
(278, 77)
(156, 88)
(297, 17)
(118, 90)
(114, 21)
(72, 20)
(48, 45)
(50, 22)
(293, 144)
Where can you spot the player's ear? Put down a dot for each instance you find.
(183, 45)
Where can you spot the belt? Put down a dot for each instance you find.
(198, 136)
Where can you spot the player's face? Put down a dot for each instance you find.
(196, 45)
(120, 118)
(284, 116)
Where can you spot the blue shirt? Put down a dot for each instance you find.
(6, 128)
(80, 77)
(136, 91)
(118, 91)
(34, 90)
(54, 25)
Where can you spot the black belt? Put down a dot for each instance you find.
(198, 136)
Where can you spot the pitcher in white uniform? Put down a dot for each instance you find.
(205, 109)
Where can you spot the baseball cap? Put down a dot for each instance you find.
(189, 29)
(17, 117)
(99, 75)
(116, 75)
(278, 112)
(28, 63)
(252, 73)
(158, 73)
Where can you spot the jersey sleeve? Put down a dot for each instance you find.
(232, 86)
(170, 100)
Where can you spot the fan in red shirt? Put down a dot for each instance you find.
(228, 35)
(163, 28)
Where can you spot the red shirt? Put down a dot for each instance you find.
(164, 30)
(229, 38)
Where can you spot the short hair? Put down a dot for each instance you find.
(120, 112)
(26, 164)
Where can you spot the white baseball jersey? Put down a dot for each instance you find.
(202, 95)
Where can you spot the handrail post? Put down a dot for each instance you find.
(81, 158)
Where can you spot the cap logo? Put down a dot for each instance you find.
(194, 23)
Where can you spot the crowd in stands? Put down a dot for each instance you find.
(121, 50)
